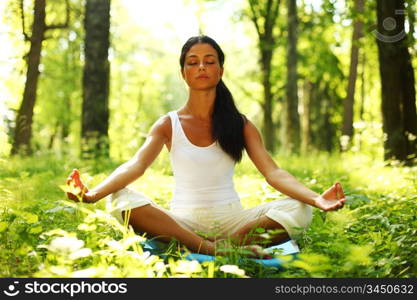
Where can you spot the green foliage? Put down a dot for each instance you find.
(373, 236)
(44, 235)
(60, 88)
(145, 80)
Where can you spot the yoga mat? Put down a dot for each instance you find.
(285, 248)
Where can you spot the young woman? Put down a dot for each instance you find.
(206, 138)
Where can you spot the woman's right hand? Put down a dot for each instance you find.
(80, 192)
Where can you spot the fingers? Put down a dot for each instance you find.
(338, 205)
(72, 197)
(340, 190)
(334, 207)
(341, 195)
(74, 179)
(73, 174)
(330, 192)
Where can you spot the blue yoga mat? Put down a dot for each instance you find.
(286, 248)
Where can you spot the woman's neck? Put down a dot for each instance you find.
(200, 104)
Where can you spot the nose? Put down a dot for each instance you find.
(201, 66)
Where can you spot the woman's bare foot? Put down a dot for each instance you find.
(257, 251)
(225, 247)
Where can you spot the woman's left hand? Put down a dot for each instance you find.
(332, 199)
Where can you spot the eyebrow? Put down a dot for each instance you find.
(193, 55)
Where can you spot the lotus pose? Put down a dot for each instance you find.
(206, 138)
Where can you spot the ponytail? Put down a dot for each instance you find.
(228, 123)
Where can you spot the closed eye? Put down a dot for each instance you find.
(194, 63)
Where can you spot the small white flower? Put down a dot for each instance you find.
(159, 266)
(90, 272)
(115, 245)
(232, 269)
(84, 252)
(87, 227)
(145, 255)
(134, 255)
(132, 240)
(185, 266)
(65, 244)
(59, 270)
(142, 257)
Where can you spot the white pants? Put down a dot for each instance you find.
(221, 220)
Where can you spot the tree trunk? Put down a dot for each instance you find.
(411, 13)
(327, 130)
(23, 129)
(348, 112)
(95, 112)
(268, 125)
(292, 119)
(322, 130)
(363, 84)
(397, 81)
(264, 15)
(306, 116)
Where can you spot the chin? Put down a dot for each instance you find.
(203, 86)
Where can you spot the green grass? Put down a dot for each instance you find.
(43, 235)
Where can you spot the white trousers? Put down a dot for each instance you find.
(221, 220)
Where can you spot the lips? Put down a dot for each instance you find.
(202, 77)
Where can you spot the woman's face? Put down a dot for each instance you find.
(202, 68)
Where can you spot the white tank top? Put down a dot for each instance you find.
(203, 175)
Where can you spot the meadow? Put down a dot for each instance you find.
(44, 235)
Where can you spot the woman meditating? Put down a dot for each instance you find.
(206, 138)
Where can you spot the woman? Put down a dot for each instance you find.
(206, 138)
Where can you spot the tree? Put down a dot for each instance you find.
(411, 13)
(321, 72)
(397, 82)
(357, 34)
(264, 14)
(23, 129)
(292, 119)
(95, 111)
(59, 88)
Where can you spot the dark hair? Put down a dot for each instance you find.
(228, 122)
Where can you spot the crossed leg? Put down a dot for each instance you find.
(245, 235)
(157, 223)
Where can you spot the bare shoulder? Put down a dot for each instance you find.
(162, 127)
(250, 131)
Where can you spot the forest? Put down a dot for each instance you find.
(330, 85)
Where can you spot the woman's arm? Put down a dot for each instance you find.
(136, 166)
(284, 181)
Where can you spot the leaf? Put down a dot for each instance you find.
(36, 229)
(260, 230)
(3, 226)
(65, 188)
(29, 217)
